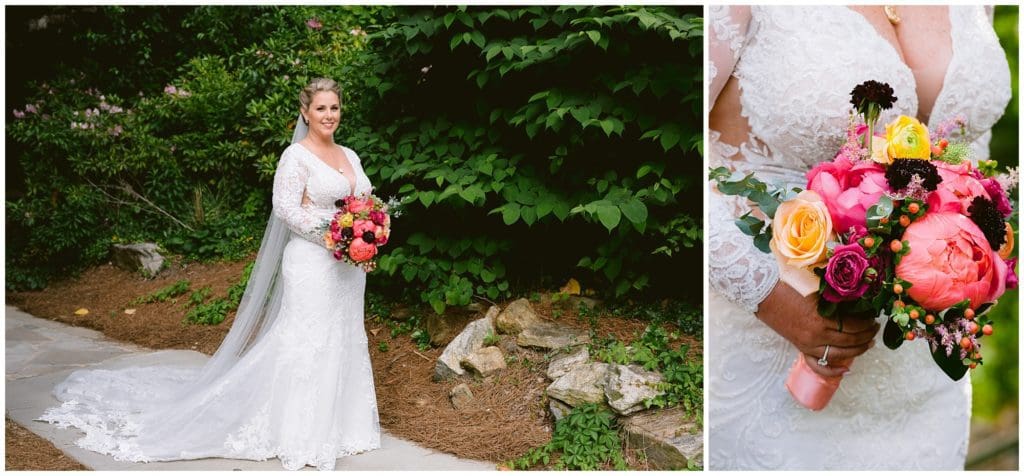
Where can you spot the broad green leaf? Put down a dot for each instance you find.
(609, 215)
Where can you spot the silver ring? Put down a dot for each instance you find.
(823, 361)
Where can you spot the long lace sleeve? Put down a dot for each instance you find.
(736, 268)
(289, 185)
(726, 37)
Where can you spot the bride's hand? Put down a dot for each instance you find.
(796, 318)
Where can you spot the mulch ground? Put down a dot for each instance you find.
(24, 451)
(507, 417)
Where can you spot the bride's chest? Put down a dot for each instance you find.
(799, 65)
(325, 185)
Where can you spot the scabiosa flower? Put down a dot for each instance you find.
(902, 171)
(368, 237)
(870, 92)
(984, 214)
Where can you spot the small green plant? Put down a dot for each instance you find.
(414, 328)
(215, 311)
(586, 439)
(556, 313)
(491, 339)
(199, 296)
(682, 379)
(165, 293)
(535, 296)
(383, 346)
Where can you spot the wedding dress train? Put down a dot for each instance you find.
(298, 386)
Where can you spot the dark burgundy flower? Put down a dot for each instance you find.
(369, 237)
(900, 173)
(872, 92)
(984, 214)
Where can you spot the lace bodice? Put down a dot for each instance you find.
(301, 174)
(795, 67)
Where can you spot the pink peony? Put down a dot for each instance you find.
(848, 189)
(363, 226)
(949, 261)
(958, 187)
(357, 205)
(361, 251)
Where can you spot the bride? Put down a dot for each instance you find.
(780, 84)
(292, 379)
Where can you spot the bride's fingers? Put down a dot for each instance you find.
(829, 371)
(836, 354)
(845, 339)
(851, 325)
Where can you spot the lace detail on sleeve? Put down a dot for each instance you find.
(727, 34)
(736, 268)
(289, 185)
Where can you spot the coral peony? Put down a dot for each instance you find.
(361, 251)
(358, 205)
(949, 261)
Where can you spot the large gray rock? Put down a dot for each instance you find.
(562, 365)
(517, 316)
(141, 257)
(485, 361)
(461, 396)
(471, 339)
(583, 384)
(628, 387)
(668, 438)
(549, 336)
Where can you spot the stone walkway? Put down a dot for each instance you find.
(40, 353)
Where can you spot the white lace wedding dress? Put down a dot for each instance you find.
(795, 67)
(300, 390)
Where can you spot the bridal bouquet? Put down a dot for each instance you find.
(361, 225)
(900, 225)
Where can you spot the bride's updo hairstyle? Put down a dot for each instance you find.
(315, 86)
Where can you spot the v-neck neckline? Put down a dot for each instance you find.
(899, 58)
(351, 183)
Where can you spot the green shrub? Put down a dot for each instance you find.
(585, 439)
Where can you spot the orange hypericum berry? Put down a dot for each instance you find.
(975, 356)
(943, 143)
(895, 246)
(913, 207)
(969, 314)
(973, 365)
(914, 314)
(911, 335)
(929, 319)
(904, 221)
(869, 242)
(936, 150)
(883, 220)
(973, 328)
(898, 305)
(897, 288)
(965, 343)
(987, 330)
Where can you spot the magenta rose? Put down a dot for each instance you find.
(958, 188)
(848, 189)
(844, 274)
(361, 251)
(338, 254)
(998, 196)
(378, 217)
(949, 261)
(1011, 274)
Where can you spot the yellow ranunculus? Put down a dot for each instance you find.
(801, 228)
(880, 151)
(907, 138)
(346, 220)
